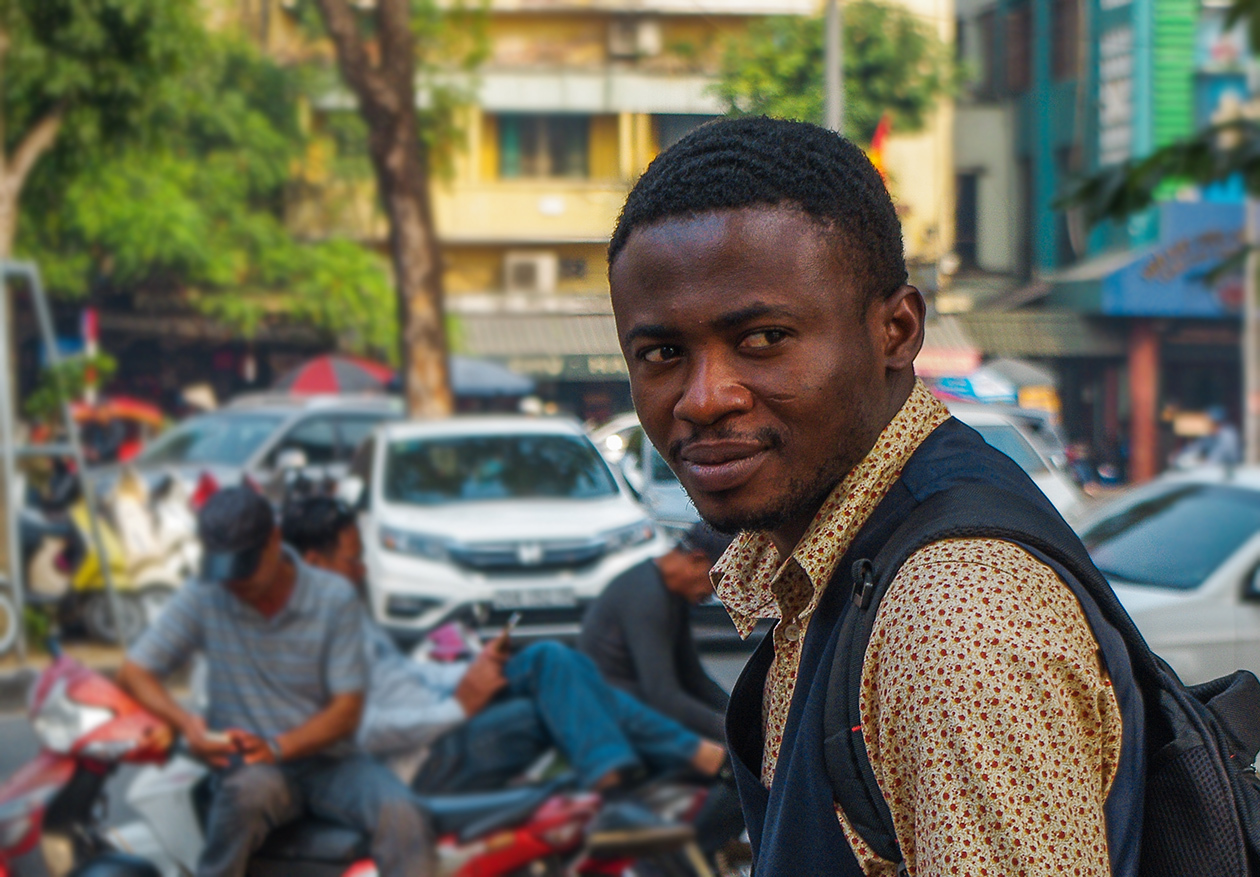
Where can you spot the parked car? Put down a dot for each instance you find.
(263, 436)
(481, 517)
(1037, 450)
(1183, 555)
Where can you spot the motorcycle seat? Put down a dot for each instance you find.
(311, 839)
(470, 816)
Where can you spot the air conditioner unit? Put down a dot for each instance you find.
(634, 37)
(531, 271)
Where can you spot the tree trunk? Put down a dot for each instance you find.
(387, 102)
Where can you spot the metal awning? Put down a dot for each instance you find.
(1042, 334)
(584, 347)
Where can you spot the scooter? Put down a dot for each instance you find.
(89, 727)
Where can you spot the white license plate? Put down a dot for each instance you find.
(534, 598)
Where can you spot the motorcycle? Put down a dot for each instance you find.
(89, 727)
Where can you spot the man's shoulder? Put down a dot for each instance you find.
(326, 591)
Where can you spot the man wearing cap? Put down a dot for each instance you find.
(287, 675)
(639, 634)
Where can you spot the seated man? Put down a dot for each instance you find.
(639, 633)
(284, 650)
(486, 720)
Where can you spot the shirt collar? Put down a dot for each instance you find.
(750, 572)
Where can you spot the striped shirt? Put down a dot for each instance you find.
(266, 675)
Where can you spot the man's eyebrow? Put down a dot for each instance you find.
(754, 311)
(730, 320)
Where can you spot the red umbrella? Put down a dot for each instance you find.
(336, 374)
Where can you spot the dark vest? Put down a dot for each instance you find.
(792, 826)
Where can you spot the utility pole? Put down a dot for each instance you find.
(1251, 337)
(833, 69)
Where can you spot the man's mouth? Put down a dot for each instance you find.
(721, 465)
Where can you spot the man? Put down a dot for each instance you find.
(284, 650)
(638, 632)
(487, 720)
(759, 290)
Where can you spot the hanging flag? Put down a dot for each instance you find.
(876, 152)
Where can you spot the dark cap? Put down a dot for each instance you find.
(234, 525)
(702, 537)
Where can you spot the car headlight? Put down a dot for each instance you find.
(416, 544)
(627, 537)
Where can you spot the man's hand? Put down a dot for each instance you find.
(483, 680)
(214, 749)
(252, 748)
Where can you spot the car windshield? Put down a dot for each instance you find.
(226, 439)
(1176, 538)
(660, 469)
(1008, 440)
(433, 471)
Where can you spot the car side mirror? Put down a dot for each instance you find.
(632, 473)
(352, 491)
(1251, 590)
(290, 459)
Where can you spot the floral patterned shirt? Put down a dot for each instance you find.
(989, 721)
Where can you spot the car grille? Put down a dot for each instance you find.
(527, 556)
(532, 617)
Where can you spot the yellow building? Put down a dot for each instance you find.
(574, 100)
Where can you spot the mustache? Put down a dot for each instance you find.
(767, 435)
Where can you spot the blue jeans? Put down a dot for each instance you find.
(555, 697)
(250, 801)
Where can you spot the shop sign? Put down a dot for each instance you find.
(1173, 279)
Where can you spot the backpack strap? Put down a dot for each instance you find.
(968, 511)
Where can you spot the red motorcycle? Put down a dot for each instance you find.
(89, 727)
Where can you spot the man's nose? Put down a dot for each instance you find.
(713, 391)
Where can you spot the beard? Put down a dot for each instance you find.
(799, 498)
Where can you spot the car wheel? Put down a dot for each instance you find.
(99, 618)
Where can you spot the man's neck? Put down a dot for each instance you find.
(275, 600)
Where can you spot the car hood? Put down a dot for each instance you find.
(667, 501)
(1139, 600)
(541, 520)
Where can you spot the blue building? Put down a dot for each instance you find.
(1130, 316)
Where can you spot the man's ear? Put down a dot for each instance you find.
(901, 317)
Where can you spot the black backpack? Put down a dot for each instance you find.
(1202, 799)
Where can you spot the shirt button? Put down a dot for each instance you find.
(792, 633)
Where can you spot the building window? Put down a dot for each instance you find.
(966, 219)
(1019, 49)
(672, 128)
(544, 146)
(572, 269)
(986, 55)
(1064, 47)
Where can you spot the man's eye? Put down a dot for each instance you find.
(763, 338)
(664, 353)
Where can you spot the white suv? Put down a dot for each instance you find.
(481, 517)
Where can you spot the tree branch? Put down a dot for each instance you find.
(37, 141)
(352, 58)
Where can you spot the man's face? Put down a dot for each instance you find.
(346, 557)
(696, 585)
(259, 586)
(754, 366)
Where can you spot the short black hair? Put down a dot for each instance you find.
(314, 523)
(749, 162)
